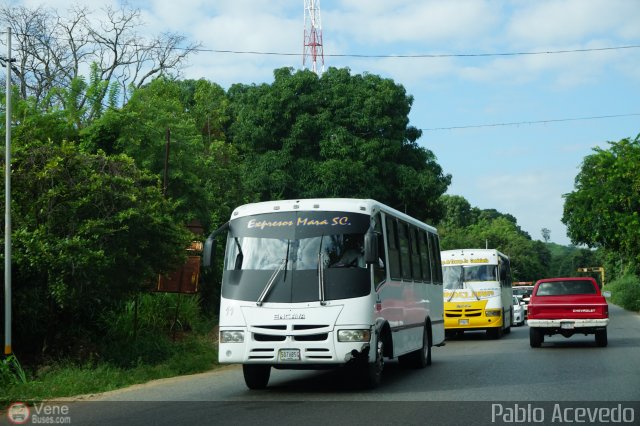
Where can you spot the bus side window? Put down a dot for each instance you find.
(405, 258)
(394, 250)
(415, 254)
(380, 270)
(424, 256)
(435, 255)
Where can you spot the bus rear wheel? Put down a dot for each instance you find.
(420, 358)
(256, 376)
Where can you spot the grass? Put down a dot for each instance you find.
(194, 354)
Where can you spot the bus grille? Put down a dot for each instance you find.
(457, 313)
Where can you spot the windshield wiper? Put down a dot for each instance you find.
(321, 278)
(267, 288)
(321, 273)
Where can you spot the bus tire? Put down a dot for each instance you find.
(495, 332)
(536, 337)
(420, 358)
(371, 373)
(256, 376)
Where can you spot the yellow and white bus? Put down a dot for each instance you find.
(477, 291)
(324, 283)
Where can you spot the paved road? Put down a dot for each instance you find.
(466, 374)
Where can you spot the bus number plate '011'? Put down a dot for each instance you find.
(289, 355)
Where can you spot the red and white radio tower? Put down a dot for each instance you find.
(313, 51)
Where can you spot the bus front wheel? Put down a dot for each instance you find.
(372, 372)
(256, 376)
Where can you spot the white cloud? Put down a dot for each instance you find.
(533, 197)
(373, 23)
(554, 22)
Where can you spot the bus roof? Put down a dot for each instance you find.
(463, 256)
(354, 205)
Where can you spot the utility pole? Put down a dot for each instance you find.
(7, 206)
(313, 49)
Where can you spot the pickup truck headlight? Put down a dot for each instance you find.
(493, 312)
(232, 336)
(354, 335)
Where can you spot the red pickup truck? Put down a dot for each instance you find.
(567, 306)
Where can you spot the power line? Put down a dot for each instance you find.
(361, 55)
(424, 55)
(519, 123)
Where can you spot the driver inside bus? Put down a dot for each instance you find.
(352, 254)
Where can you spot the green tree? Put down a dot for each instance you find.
(338, 135)
(604, 209)
(457, 211)
(88, 231)
(203, 176)
(464, 226)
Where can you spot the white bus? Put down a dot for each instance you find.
(323, 283)
(477, 291)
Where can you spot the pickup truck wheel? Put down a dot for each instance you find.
(601, 338)
(536, 337)
(256, 376)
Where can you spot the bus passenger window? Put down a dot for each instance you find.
(394, 251)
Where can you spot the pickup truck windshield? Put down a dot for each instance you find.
(557, 288)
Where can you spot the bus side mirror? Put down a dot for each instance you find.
(209, 251)
(371, 247)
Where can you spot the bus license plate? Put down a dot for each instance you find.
(463, 322)
(567, 325)
(289, 355)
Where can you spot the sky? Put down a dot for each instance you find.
(511, 95)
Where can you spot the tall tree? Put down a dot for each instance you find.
(604, 208)
(203, 175)
(54, 49)
(546, 234)
(88, 231)
(338, 135)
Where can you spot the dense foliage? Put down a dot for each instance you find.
(603, 211)
(338, 135)
(88, 231)
(464, 226)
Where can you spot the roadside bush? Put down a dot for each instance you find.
(625, 292)
(11, 372)
(146, 333)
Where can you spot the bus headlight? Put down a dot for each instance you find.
(493, 312)
(354, 335)
(231, 336)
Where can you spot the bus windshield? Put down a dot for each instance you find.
(456, 276)
(298, 245)
(336, 251)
